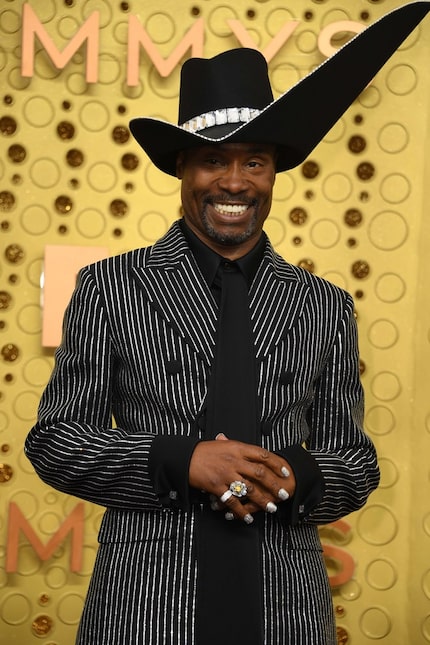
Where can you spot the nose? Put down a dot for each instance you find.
(232, 178)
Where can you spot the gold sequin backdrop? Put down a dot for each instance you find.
(356, 213)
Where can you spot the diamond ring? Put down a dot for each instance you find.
(238, 488)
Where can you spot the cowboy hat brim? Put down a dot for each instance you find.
(299, 119)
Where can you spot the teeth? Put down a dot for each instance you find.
(230, 208)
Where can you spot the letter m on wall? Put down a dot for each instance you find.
(31, 27)
(17, 524)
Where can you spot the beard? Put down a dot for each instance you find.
(229, 238)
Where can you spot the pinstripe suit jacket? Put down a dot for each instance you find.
(130, 319)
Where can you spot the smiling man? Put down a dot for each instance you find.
(232, 377)
(227, 194)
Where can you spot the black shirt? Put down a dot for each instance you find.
(209, 261)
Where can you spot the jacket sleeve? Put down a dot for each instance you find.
(336, 469)
(74, 446)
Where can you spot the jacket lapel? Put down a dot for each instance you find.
(277, 300)
(173, 284)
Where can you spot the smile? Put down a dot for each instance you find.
(231, 209)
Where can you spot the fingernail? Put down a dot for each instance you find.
(283, 494)
(285, 471)
(271, 507)
(229, 516)
(248, 519)
(215, 506)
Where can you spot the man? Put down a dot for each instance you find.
(217, 472)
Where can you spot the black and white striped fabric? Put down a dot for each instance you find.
(138, 343)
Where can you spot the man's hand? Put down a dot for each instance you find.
(268, 477)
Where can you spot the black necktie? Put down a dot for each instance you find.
(229, 610)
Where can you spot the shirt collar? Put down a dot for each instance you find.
(208, 261)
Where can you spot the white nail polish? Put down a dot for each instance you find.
(271, 507)
(248, 519)
(285, 471)
(283, 494)
(229, 516)
(215, 506)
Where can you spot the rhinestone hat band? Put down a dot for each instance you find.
(220, 117)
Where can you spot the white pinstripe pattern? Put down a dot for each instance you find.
(129, 318)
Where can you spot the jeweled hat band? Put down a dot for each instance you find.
(220, 117)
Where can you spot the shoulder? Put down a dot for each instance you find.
(163, 252)
(319, 289)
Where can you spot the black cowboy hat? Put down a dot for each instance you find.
(228, 98)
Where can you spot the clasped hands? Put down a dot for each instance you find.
(269, 479)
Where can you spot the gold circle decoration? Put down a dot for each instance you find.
(389, 472)
(110, 69)
(425, 629)
(67, 27)
(370, 97)
(102, 177)
(390, 287)
(351, 590)
(15, 609)
(45, 173)
(307, 41)
(337, 132)
(35, 219)
(38, 111)
(381, 574)
(160, 27)
(377, 525)
(426, 584)
(10, 21)
(393, 138)
(275, 229)
(386, 386)
(90, 223)
(375, 623)
(103, 7)
(388, 230)
(29, 319)
(25, 405)
(383, 334)
(69, 608)
(152, 226)
(217, 20)
(337, 187)
(283, 76)
(76, 84)
(402, 79)
(325, 234)
(395, 188)
(380, 420)
(56, 577)
(94, 116)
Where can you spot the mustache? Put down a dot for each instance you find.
(227, 198)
